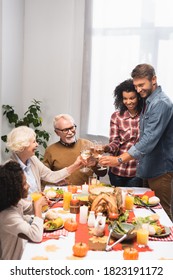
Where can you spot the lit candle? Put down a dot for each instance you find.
(83, 214)
(85, 188)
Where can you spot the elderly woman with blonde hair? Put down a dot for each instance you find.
(22, 143)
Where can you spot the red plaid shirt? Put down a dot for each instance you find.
(124, 133)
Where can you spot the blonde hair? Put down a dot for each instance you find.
(19, 138)
(62, 116)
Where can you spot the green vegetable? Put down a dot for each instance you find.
(123, 217)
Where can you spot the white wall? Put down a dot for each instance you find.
(12, 57)
(53, 47)
(42, 44)
(0, 69)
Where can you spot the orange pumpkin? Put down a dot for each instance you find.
(130, 254)
(72, 188)
(70, 224)
(80, 249)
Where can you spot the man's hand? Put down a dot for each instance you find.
(91, 161)
(113, 161)
(108, 161)
(106, 149)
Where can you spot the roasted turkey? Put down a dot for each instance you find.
(107, 202)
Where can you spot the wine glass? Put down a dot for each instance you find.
(85, 154)
(97, 151)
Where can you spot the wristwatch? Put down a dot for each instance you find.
(120, 160)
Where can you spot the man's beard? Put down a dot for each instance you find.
(146, 93)
(71, 140)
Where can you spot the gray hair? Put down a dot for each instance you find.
(62, 116)
(19, 138)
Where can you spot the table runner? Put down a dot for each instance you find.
(82, 235)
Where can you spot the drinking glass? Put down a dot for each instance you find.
(97, 151)
(85, 154)
(92, 180)
(35, 196)
(129, 200)
(142, 233)
(67, 196)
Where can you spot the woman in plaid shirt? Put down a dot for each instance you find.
(124, 132)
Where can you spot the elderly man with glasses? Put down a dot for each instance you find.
(67, 149)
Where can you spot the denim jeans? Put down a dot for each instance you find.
(119, 181)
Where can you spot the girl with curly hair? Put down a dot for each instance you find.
(16, 222)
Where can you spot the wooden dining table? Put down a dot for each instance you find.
(58, 245)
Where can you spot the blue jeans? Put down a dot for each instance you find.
(119, 181)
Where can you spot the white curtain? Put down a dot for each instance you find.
(118, 36)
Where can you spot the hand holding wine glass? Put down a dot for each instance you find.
(85, 154)
(97, 152)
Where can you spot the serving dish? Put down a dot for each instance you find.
(119, 229)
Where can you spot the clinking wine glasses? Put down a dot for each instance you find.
(97, 150)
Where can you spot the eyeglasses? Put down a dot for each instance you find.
(66, 130)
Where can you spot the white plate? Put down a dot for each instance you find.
(167, 233)
(50, 230)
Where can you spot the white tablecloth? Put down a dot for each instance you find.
(161, 249)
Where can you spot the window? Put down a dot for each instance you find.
(118, 36)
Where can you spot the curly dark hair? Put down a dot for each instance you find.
(11, 184)
(127, 86)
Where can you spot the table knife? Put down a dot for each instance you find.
(146, 206)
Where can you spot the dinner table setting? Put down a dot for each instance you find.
(98, 221)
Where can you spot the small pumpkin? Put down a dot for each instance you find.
(72, 189)
(80, 249)
(130, 254)
(70, 224)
